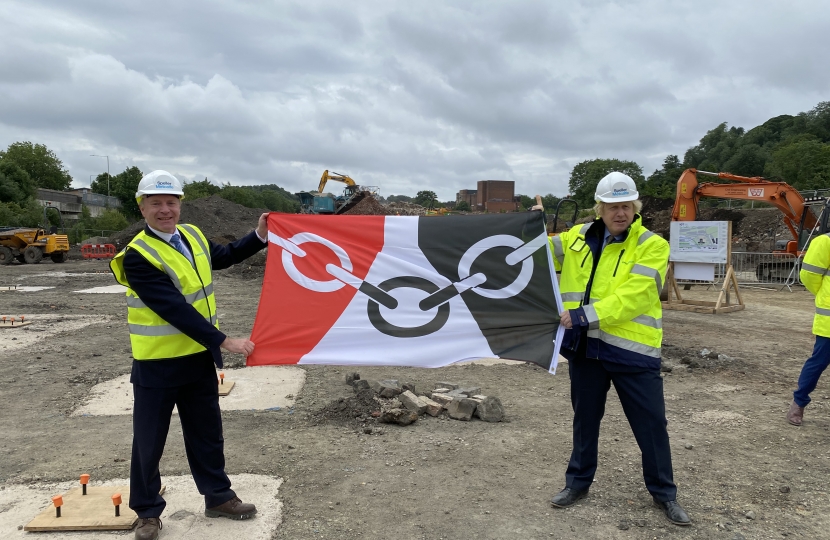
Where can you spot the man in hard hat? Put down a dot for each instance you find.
(813, 275)
(612, 272)
(176, 342)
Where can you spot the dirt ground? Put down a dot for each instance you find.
(742, 471)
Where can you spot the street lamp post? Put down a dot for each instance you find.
(108, 171)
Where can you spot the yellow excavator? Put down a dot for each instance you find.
(335, 176)
(320, 202)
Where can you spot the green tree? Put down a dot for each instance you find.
(26, 214)
(240, 195)
(663, 182)
(124, 185)
(748, 160)
(714, 149)
(463, 206)
(198, 190)
(15, 184)
(399, 198)
(424, 198)
(804, 164)
(111, 220)
(41, 164)
(102, 184)
(586, 175)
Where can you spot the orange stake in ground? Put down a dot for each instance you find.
(84, 481)
(57, 500)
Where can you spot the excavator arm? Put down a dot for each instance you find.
(783, 196)
(334, 176)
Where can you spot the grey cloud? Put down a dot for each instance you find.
(403, 95)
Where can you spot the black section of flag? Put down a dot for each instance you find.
(522, 327)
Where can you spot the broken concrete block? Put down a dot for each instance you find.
(490, 410)
(389, 388)
(375, 385)
(461, 409)
(479, 397)
(442, 390)
(444, 384)
(409, 386)
(433, 408)
(352, 377)
(401, 417)
(469, 391)
(412, 402)
(441, 399)
(360, 384)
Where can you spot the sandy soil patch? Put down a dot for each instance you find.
(256, 388)
(183, 518)
(45, 326)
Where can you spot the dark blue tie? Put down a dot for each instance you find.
(176, 242)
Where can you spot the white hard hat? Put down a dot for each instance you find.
(616, 187)
(159, 183)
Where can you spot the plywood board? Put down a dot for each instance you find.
(91, 512)
(17, 324)
(226, 387)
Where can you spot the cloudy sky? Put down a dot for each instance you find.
(403, 95)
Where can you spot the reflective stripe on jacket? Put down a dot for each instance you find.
(814, 268)
(152, 337)
(623, 311)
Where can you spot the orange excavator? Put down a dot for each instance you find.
(803, 217)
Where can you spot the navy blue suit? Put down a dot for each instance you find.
(187, 382)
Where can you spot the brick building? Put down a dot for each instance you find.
(468, 196)
(496, 196)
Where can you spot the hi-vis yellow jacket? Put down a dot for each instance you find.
(814, 268)
(616, 298)
(151, 337)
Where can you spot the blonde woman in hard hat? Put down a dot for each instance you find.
(612, 272)
(174, 333)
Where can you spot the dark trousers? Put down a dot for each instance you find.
(641, 395)
(812, 370)
(198, 404)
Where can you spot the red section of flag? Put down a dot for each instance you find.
(289, 321)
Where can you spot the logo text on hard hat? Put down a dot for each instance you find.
(619, 192)
(164, 184)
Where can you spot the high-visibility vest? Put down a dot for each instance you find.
(623, 306)
(814, 268)
(151, 337)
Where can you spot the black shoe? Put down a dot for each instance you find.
(567, 497)
(674, 512)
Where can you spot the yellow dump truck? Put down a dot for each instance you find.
(31, 245)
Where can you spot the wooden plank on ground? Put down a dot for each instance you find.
(17, 324)
(226, 387)
(91, 512)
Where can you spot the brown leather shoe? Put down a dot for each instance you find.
(795, 415)
(232, 509)
(148, 529)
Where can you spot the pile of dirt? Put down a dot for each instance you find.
(752, 229)
(405, 209)
(368, 207)
(219, 219)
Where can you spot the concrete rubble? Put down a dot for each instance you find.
(401, 404)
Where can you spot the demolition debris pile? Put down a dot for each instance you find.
(405, 209)
(394, 402)
(369, 206)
